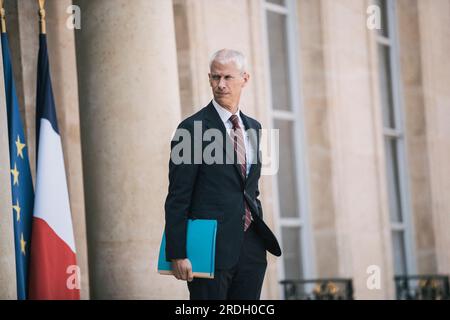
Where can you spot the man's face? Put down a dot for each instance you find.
(227, 81)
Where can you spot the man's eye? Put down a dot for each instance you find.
(228, 77)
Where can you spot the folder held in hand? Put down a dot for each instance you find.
(200, 249)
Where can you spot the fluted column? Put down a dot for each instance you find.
(362, 228)
(129, 107)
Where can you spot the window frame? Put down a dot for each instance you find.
(302, 221)
(396, 133)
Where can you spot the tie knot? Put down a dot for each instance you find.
(235, 121)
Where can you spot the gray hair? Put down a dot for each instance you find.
(225, 56)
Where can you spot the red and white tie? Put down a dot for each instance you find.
(239, 146)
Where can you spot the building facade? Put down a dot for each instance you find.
(363, 115)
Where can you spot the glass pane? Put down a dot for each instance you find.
(383, 5)
(399, 253)
(292, 253)
(387, 101)
(279, 2)
(393, 179)
(279, 71)
(287, 182)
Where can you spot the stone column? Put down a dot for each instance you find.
(416, 135)
(8, 289)
(435, 45)
(363, 237)
(317, 137)
(129, 107)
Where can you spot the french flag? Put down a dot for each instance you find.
(54, 273)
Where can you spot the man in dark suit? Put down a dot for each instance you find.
(225, 189)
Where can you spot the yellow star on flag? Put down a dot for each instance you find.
(17, 209)
(15, 174)
(23, 243)
(20, 147)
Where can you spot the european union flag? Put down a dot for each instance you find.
(21, 182)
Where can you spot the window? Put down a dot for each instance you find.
(399, 210)
(285, 113)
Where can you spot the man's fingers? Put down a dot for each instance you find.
(182, 270)
(190, 275)
(176, 270)
(185, 273)
(176, 273)
(181, 275)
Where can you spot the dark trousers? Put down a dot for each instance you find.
(242, 282)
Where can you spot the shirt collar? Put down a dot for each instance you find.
(224, 113)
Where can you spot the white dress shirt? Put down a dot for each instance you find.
(225, 116)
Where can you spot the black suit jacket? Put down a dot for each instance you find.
(214, 191)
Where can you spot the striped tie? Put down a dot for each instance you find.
(239, 146)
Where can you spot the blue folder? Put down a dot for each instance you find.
(200, 249)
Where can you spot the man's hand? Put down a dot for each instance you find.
(182, 269)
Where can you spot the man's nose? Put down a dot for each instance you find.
(222, 83)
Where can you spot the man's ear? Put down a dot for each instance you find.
(246, 78)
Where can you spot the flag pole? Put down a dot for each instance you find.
(41, 16)
(2, 17)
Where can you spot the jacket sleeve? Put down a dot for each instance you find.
(182, 176)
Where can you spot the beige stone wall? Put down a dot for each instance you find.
(435, 46)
